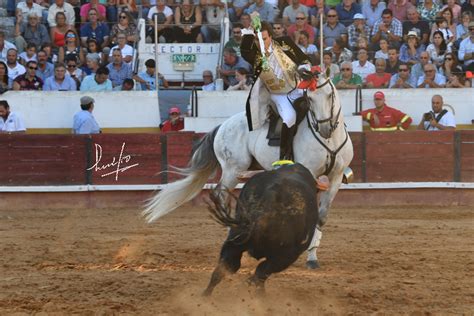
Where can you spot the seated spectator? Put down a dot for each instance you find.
(126, 25)
(48, 49)
(329, 69)
(468, 6)
(304, 45)
(164, 19)
(14, 67)
(60, 81)
(346, 79)
(125, 49)
(339, 52)
(279, 30)
(236, 39)
(26, 8)
(411, 50)
(294, 30)
(290, 12)
(466, 49)
(462, 29)
(428, 9)
(74, 72)
(83, 121)
(438, 49)
(5, 46)
(93, 48)
(92, 64)
(10, 122)
(174, 123)
(380, 79)
(403, 79)
(58, 33)
(245, 20)
(417, 70)
(31, 32)
(438, 119)
(128, 6)
(119, 70)
(362, 66)
(384, 118)
(387, 27)
(455, 9)
(208, 81)
(61, 6)
(418, 25)
(393, 61)
(231, 63)
(450, 65)
(441, 25)
(29, 54)
(457, 80)
(188, 20)
(244, 82)
(400, 9)
(236, 9)
(93, 4)
(45, 69)
(98, 81)
(96, 30)
(147, 78)
(431, 79)
(264, 9)
(333, 30)
(71, 47)
(29, 80)
(372, 10)
(214, 12)
(346, 11)
(127, 85)
(5, 82)
(357, 30)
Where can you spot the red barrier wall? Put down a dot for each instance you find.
(64, 159)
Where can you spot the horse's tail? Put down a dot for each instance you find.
(203, 163)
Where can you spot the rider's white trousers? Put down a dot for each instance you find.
(284, 107)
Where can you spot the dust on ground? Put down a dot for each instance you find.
(380, 261)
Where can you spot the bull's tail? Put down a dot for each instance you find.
(221, 212)
(203, 163)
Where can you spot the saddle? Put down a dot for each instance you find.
(301, 107)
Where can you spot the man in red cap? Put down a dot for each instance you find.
(174, 123)
(384, 118)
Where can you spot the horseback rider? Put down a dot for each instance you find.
(276, 63)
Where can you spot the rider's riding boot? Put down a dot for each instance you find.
(286, 142)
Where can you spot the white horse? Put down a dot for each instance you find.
(321, 144)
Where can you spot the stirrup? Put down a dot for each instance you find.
(277, 164)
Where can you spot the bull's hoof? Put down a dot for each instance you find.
(312, 264)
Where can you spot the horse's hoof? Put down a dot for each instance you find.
(312, 264)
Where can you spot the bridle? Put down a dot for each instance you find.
(332, 119)
(313, 125)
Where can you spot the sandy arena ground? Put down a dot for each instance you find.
(417, 261)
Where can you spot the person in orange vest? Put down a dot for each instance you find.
(384, 118)
(174, 123)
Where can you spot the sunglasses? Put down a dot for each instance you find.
(71, 36)
(301, 18)
(332, 16)
(345, 69)
(276, 28)
(33, 68)
(123, 16)
(71, 66)
(402, 69)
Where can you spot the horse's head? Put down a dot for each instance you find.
(324, 107)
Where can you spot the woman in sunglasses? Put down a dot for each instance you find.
(126, 25)
(71, 47)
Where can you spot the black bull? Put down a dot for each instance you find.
(275, 219)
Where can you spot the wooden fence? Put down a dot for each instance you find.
(416, 156)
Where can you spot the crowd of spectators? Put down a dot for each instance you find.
(89, 45)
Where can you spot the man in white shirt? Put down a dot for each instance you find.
(164, 19)
(61, 6)
(362, 66)
(10, 122)
(28, 7)
(14, 67)
(208, 81)
(438, 119)
(466, 49)
(125, 49)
